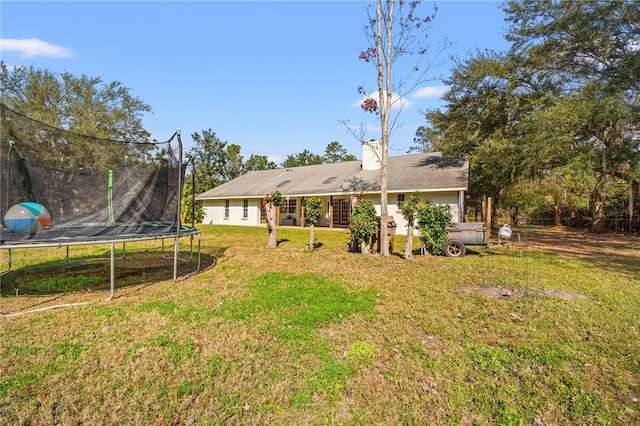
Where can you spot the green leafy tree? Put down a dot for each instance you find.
(335, 153)
(589, 50)
(81, 105)
(304, 158)
(191, 208)
(312, 210)
(258, 162)
(432, 223)
(213, 162)
(363, 224)
(490, 122)
(422, 140)
(410, 211)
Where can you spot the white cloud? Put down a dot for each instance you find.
(431, 92)
(29, 47)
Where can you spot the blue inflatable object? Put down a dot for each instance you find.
(27, 217)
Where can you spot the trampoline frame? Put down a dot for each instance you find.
(180, 232)
(184, 232)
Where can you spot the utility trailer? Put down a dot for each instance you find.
(472, 234)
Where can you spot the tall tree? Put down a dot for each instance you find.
(568, 88)
(304, 158)
(483, 120)
(84, 105)
(335, 153)
(213, 162)
(591, 47)
(258, 162)
(423, 140)
(81, 105)
(395, 30)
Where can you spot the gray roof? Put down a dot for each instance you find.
(406, 173)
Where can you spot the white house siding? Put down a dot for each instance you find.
(214, 212)
(448, 198)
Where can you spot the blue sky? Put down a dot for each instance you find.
(272, 77)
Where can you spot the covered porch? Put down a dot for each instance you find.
(336, 212)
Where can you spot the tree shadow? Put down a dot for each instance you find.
(92, 274)
(442, 162)
(357, 184)
(618, 252)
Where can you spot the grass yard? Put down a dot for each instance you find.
(548, 334)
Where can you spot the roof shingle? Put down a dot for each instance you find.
(406, 173)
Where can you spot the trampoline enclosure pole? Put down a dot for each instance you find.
(112, 273)
(112, 220)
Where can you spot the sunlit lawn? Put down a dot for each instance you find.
(284, 336)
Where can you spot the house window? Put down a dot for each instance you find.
(289, 206)
(245, 209)
(400, 201)
(263, 211)
(226, 209)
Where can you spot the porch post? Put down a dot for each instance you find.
(331, 211)
(302, 212)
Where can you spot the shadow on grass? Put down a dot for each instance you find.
(605, 251)
(55, 277)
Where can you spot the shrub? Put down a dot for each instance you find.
(363, 224)
(432, 223)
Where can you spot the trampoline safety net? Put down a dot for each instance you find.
(92, 188)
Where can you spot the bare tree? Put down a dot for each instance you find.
(394, 31)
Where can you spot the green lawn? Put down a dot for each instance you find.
(284, 336)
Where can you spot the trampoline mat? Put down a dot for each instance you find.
(92, 233)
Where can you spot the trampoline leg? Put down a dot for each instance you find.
(197, 270)
(112, 273)
(176, 247)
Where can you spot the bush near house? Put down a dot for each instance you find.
(432, 223)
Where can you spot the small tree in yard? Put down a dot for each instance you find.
(363, 224)
(312, 210)
(410, 212)
(432, 223)
(271, 203)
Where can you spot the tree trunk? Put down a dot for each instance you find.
(312, 241)
(365, 247)
(408, 247)
(271, 226)
(385, 61)
(557, 217)
(597, 204)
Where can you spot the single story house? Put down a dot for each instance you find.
(442, 180)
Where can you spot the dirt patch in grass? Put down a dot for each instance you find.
(499, 292)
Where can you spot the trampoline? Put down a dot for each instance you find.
(74, 190)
